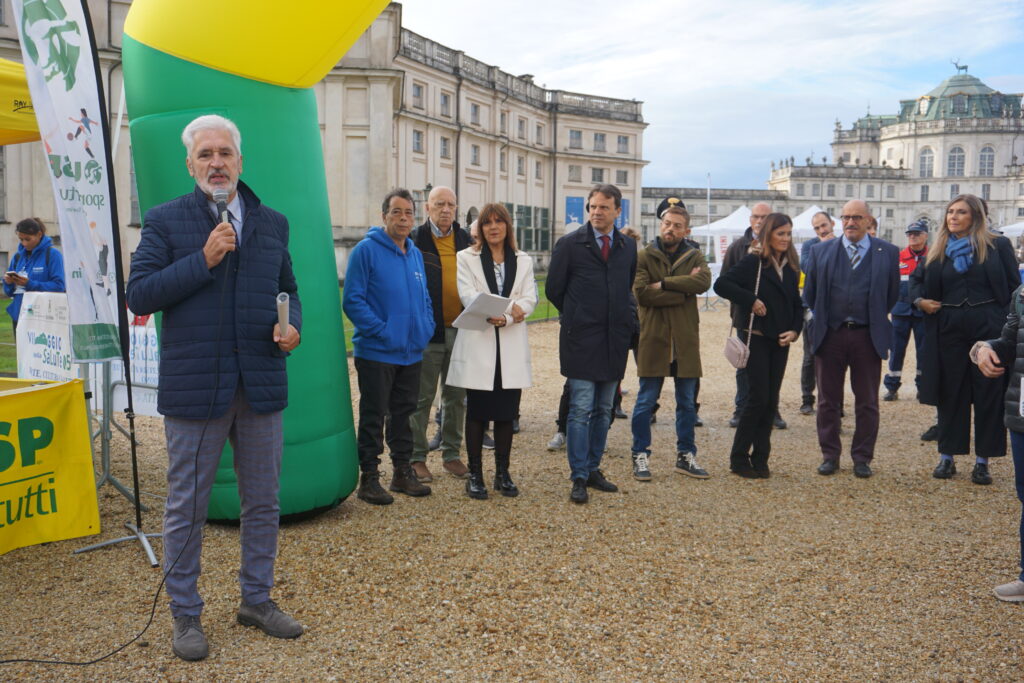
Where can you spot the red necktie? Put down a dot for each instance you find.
(604, 246)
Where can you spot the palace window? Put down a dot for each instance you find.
(890, 191)
(417, 141)
(986, 161)
(521, 128)
(597, 175)
(924, 193)
(622, 177)
(446, 104)
(926, 164)
(849, 190)
(955, 162)
(869, 191)
(799, 189)
(954, 190)
(598, 142)
(520, 165)
(474, 113)
(503, 162)
(986, 191)
(830, 190)
(540, 134)
(474, 155)
(538, 170)
(575, 139)
(504, 122)
(446, 152)
(575, 173)
(417, 95)
(623, 144)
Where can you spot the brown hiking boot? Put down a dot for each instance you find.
(421, 472)
(456, 468)
(371, 491)
(405, 481)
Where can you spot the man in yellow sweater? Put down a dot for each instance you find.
(439, 238)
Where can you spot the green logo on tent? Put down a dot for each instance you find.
(51, 40)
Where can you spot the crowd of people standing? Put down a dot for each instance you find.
(854, 297)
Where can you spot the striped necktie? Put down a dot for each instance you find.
(854, 255)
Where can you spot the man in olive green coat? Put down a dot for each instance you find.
(670, 275)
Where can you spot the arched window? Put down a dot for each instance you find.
(955, 163)
(926, 163)
(986, 161)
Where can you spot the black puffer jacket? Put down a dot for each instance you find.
(1010, 349)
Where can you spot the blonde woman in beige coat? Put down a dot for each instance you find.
(493, 365)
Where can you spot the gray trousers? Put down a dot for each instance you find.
(192, 459)
(453, 402)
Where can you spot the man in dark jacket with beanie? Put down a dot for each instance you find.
(222, 370)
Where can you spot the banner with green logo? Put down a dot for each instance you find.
(58, 57)
(47, 491)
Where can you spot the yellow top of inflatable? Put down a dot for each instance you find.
(290, 44)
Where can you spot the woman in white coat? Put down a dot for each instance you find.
(493, 365)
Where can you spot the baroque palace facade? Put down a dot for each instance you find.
(960, 137)
(399, 110)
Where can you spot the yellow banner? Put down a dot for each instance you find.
(47, 490)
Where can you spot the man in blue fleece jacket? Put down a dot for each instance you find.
(386, 299)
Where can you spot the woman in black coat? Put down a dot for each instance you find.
(964, 288)
(777, 321)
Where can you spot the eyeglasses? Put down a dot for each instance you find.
(851, 219)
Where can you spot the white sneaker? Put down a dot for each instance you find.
(1010, 592)
(557, 442)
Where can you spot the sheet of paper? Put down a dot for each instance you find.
(485, 305)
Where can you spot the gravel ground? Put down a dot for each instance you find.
(798, 577)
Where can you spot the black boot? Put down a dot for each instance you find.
(475, 487)
(371, 491)
(502, 481)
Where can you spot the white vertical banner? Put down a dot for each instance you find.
(59, 62)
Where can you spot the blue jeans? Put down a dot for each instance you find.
(686, 413)
(1017, 448)
(590, 413)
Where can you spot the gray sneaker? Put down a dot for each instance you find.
(269, 618)
(1011, 592)
(189, 641)
(488, 441)
(557, 442)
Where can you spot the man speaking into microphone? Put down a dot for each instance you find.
(213, 261)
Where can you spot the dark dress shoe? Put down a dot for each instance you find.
(778, 422)
(475, 486)
(862, 470)
(620, 414)
(579, 491)
(745, 472)
(761, 468)
(980, 475)
(890, 396)
(931, 434)
(515, 426)
(828, 467)
(944, 470)
(734, 421)
(503, 484)
(597, 481)
(807, 409)
(698, 422)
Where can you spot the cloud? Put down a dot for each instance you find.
(720, 78)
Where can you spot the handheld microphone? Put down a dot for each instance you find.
(282, 313)
(220, 197)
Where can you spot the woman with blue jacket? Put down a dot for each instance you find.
(36, 267)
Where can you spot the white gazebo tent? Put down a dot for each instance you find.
(1012, 231)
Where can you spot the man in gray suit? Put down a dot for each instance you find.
(850, 330)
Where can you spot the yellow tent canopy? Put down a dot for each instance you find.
(17, 117)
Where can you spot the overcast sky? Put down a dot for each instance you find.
(729, 86)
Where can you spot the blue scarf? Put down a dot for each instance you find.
(959, 249)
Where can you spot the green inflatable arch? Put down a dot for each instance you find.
(282, 147)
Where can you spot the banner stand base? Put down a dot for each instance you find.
(142, 538)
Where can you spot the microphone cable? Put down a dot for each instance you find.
(195, 492)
